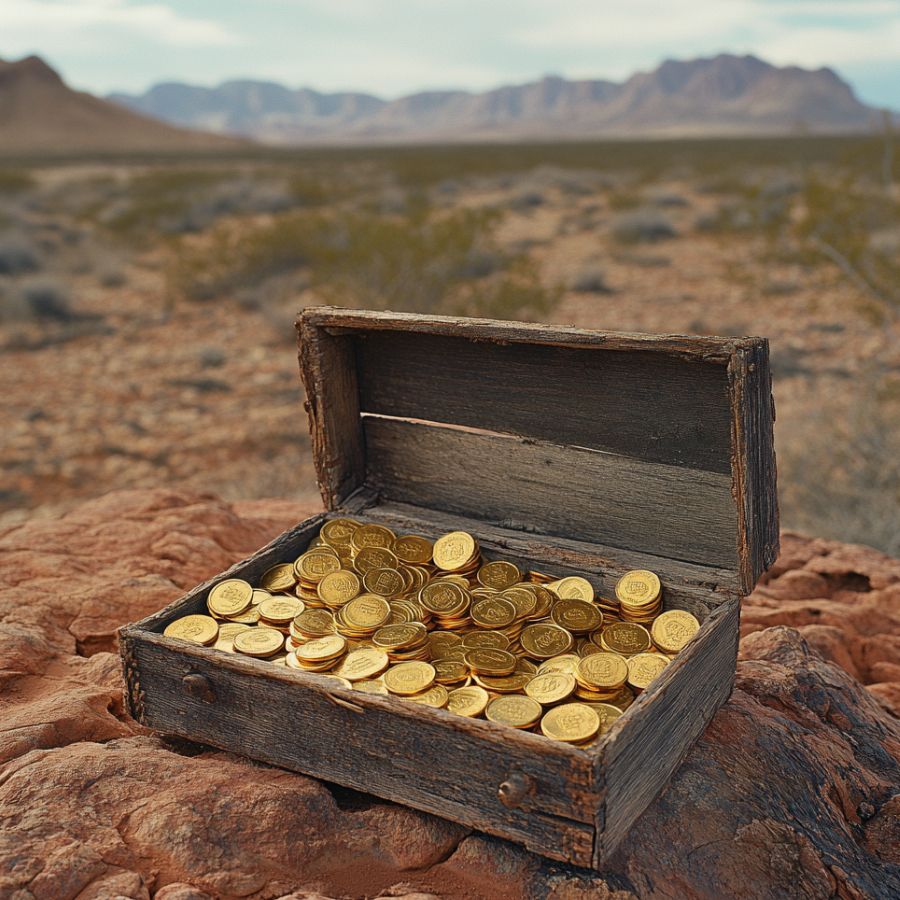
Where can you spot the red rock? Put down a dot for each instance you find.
(792, 790)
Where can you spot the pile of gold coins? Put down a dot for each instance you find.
(433, 623)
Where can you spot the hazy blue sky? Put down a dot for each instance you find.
(391, 47)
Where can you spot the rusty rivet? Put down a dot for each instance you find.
(515, 789)
(198, 686)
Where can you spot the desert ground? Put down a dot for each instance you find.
(147, 305)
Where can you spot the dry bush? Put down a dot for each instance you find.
(642, 226)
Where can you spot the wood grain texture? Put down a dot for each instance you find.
(647, 745)
(428, 759)
(328, 371)
(755, 478)
(525, 485)
(637, 403)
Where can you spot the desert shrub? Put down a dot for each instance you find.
(590, 279)
(666, 199)
(624, 199)
(518, 294)
(526, 199)
(48, 299)
(642, 226)
(16, 181)
(17, 254)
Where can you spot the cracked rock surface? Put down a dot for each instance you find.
(793, 791)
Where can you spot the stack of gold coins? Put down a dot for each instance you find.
(640, 596)
(437, 625)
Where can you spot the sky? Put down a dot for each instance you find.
(394, 47)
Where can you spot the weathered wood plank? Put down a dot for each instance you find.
(645, 747)
(328, 371)
(753, 417)
(529, 486)
(637, 403)
(428, 759)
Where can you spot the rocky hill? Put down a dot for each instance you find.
(39, 113)
(719, 96)
(791, 792)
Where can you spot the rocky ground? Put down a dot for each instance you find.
(791, 792)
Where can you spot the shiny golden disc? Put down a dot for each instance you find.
(490, 662)
(468, 701)
(384, 582)
(411, 548)
(258, 596)
(493, 612)
(450, 671)
(324, 648)
(436, 697)
(249, 616)
(454, 551)
(643, 668)
(314, 565)
(396, 637)
(367, 662)
(523, 599)
(603, 671)
(607, 713)
(673, 630)
(198, 629)
(573, 723)
(280, 610)
(504, 684)
(367, 611)
(338, 588)
(314, 622)
(541, 641)
(638, 588)
(499, 575)
(278, 578)
(337, 532)
(409, 678)
(374, 558)
(551, 687)
(444, 597)
(372, 536)
(482, 640)
(371, 686)
(576, 616)
(574, 588)
(625, 638)
(259, 642)
(514, 710)
(230, 597)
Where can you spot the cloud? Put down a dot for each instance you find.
(70, 21)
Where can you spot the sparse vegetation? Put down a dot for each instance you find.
(642, 226)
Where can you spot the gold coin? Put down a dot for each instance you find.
(384, 582)
(320, 649)
(638, 588)
(230, 597)
(574, 588)
(573, 723)
(314, 565)
(524, 600)
(258, 596)
(450, 671)
(550, 687)
(625, 638)
(338, 588)
(413, 549)
(481, 640)
(468, 701)
(436, 697)
(368, 611)
(259, 642)
(444, 597)
(366, 662)
(499, 575)
(337, 532)
(280, 610)
(314, 622)
(576, 616)
(643, 668)
(454, 550)
(607, 713)
(197, 629)
(603, 671)
(504, 684)
(409, 678)
(373, 686)
(371, 536)
(396, 637)
(490, 662)
(544, 641)
(249, 616)
(493, 612)
(514, 710)
(278, 578)
(673, 630)
(374, 558)
(228, 630)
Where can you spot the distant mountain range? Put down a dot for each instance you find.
(39, 113)
(725, 95)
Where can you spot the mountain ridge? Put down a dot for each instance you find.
(721, 95)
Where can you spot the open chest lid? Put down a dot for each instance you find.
(658, 444)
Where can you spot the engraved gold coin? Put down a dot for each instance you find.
(314, 565)
(409, 678)
(574, 588)
(673, 630)
(374, 558)
(249, 616)
(372, 536)
(444, 597)
(493, 612)
(504, 684)
(454, 550)
(230, 597)
(337, 532)
(468, 701)
(625, 638)
(278, 578)
(314, 623)
(450, 671)
(366, 662)
(368, 611)
(395, 637)
(638, 588)
(576, 616)
(574, 723)
(411, 548)
(371, 686)
(436, 697)
(514, 710)
(545, 641)
(483, 640)
(551, 687)
(384, 582)
(197, 629)
(258, 596)
(643, 668)
(338, 588)
(499, 575)
(607, 713)
(280, 610)
(324, 648)
(524, 600)
(259, 642)
(602, 671)
(490, 662)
